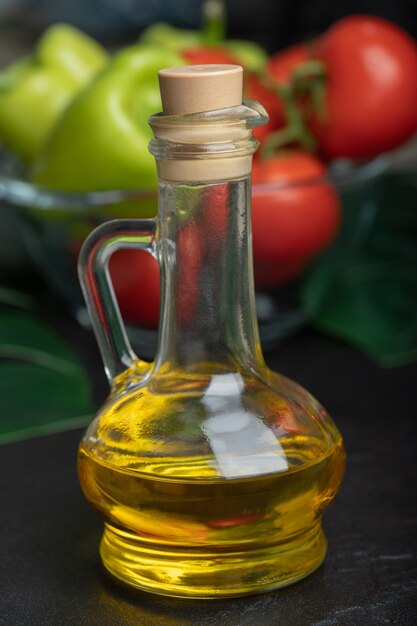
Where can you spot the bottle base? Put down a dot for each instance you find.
(200, 573)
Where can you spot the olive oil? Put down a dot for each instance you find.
(178, 534)
(210, 471)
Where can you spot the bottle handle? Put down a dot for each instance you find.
(94, 275)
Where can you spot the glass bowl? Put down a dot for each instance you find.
(51, 225)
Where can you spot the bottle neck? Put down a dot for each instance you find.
(205, 250)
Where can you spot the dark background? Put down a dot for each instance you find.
(278, 24)
(273, 23)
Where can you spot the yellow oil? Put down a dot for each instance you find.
(183, 531)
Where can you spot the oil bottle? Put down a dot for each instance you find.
(210, 471)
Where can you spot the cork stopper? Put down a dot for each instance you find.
(198, 88)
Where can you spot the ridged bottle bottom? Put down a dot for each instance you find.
(190, 573)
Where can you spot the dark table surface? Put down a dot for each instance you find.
(49, 567)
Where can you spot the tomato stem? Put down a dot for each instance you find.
(311, 70)
(276, 140)
(214, 21)
(308, 78)
(318, 93)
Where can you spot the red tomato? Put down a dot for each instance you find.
(371, 101)
(206, 55)
(279, 68)
(254, 89)
(229, 522)
(215, 216)
(136, 280)
(281, 65)
(135, 277)
(293, 222)
(189, 247)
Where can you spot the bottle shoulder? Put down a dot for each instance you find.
(228, 423)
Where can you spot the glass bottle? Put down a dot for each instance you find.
(211, 471)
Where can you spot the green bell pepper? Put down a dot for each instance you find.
(101, 140)
(71, 52)
(167, 36)
(249, 54)
(34, 91)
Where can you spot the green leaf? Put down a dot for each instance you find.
(43, 387)
(364, 289)
(15, 298)
(374, 307)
